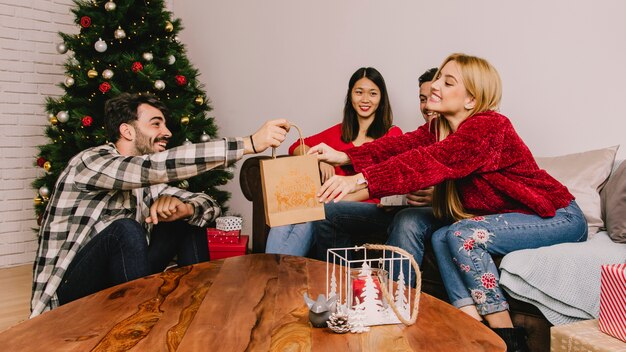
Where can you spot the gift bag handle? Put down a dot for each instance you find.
(300, 138)
(418, 282)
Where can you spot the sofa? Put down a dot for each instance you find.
(584, 173)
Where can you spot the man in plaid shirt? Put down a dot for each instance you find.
(97, 230)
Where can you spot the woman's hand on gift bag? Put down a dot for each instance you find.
(271, 134)
(337, 187)
(329, 155)
(326, 171)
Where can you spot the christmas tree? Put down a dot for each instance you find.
(124, 46)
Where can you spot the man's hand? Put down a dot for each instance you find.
(329, 155)
(271, 134)
(327, 171)
(167, 209)
(420, 198)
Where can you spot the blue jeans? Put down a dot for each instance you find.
(463, 251)
(290, 239)
(120, 253)
(407, 228)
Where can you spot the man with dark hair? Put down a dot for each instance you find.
(113, 217)
(424, 85)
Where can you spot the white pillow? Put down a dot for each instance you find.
(583, 174)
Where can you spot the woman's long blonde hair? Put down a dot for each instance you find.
(483, 83)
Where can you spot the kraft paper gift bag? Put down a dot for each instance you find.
(289, 187)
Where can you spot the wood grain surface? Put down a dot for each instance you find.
(246, 303)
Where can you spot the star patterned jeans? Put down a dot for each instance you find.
(463, 251)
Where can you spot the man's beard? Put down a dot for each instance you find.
(143, 145)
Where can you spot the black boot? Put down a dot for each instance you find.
(515, 338)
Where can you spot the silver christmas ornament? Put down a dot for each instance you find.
(100, 45)
(171, 59)
(205, 137)
(107, 74)
(69, 81)
(148, 56)
(119, 34)
(158, 84)
(72, 61)
(61, 48)
(44, 191)
(110, 6)
(187, 142)
(63, 116)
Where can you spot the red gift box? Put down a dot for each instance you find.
(612, 319)
(220, 236)
(226, 250)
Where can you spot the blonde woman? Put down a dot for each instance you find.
(489, 192)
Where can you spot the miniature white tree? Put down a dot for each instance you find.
(400, 298)
(333, 284)
(357, 317)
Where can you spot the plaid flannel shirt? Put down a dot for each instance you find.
(99, 186)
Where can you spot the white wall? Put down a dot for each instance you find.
(30, 68)
(562, 62)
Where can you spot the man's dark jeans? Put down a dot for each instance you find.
(120, 253)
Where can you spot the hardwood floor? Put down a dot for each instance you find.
(15, 286)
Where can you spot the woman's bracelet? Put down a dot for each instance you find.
(252, 142)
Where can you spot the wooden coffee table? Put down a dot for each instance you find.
(247, 303)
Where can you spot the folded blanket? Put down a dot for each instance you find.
(563, 280)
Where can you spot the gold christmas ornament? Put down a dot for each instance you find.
(184, 120)
(169, 26)
(38, 200)
(92, 73)
(53, 120)
(47, 166)
(199, 100)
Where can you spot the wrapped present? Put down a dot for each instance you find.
(220, 236)
(228, 223)
(227, 250)
(583, 336)
(612, 319)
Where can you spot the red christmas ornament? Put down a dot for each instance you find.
(40, 161)
(85, 21)
(180, 80)
(137, 66)
(105, 87)
(87, 121)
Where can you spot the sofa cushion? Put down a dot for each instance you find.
(583, 174)
(614, 204)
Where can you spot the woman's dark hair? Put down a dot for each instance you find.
(123, 109)
(383, 120)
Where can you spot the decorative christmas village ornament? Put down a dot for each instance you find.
(159, 85)
(63, 116)
(69, 81)
(110, 6)
(107, 74)
(61, 48)
(205, 137)
(148, 56)
(119, 33)
(169, 26)
(320, 310)
(92, 73)
(365, 289)
(339, 322)
(100, 46)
